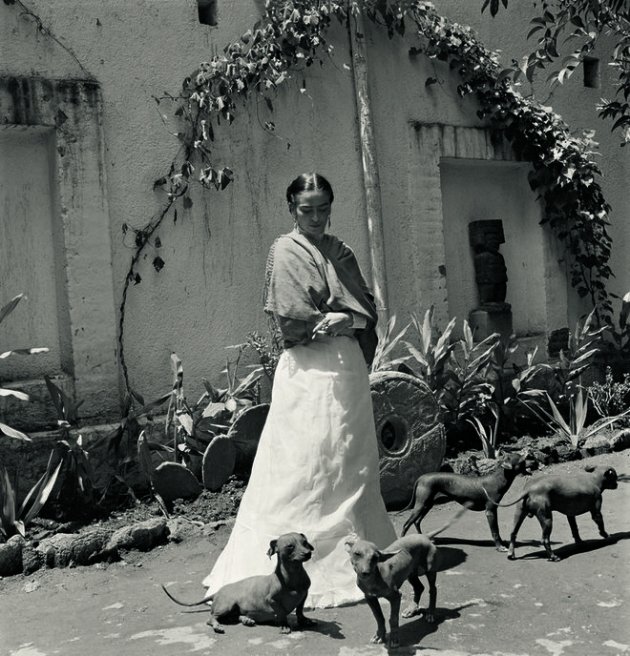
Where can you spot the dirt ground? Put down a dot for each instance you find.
(486, 604)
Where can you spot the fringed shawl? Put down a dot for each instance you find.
(306, 279)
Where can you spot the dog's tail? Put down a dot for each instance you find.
(205, 600)
(503, 505)
(452, 520)
(411, 503)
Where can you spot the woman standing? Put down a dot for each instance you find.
(316, 470)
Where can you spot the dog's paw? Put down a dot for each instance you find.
(511, 556)
(410, 612)
(393, 643)
(378, 638)
(286, 629)
(246, 621)
(501, 548)
(553, 558)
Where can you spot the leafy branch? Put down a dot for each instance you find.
(582, 22)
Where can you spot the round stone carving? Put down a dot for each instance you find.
(411, 439)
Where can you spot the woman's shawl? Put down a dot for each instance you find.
(305, 279)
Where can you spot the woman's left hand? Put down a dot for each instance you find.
(334, 323)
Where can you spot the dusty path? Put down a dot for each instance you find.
(486, 604)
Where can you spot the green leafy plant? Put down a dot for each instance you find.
(610, 397)
(487, 435)
(267, 348)
(5, 311)
(456, 370)
(582, 22)
(574, 429)
(194, 427)
(76, 472)
(14, 519)
(584, 344)
(387, 344)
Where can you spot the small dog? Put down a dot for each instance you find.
(470, 490)
(265, 598)
(570, 495)
(381, 574)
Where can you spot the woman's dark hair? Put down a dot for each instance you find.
(309, 182)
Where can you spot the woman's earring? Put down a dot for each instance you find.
(329, 221)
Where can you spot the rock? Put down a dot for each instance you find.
(245, 434)
(142, 536)
(218, 463)
(32, 560)
(176, 530)
(174, 481)
(11, 556)
(597, 444)
(411, 439)
(566, 452)
(620, 440)
(67, 549)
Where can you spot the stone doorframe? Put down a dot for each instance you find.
(73, 109)
(430, 144)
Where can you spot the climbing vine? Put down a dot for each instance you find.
(291, 36)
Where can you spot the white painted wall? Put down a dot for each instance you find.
(208, 295)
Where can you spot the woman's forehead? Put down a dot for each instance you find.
(312, 197)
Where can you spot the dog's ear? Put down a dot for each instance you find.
(273, 548)
(349, 543)
(306, 542)
(386, 555)
(589, 468)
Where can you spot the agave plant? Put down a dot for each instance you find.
(487, 435)
(574, 429)
(14, 519)
(5, 311)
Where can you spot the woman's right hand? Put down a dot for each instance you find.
(334, 323)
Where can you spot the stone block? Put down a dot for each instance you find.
(484, 322)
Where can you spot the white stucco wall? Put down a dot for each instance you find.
(208, 295)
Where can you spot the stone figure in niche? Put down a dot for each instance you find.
(490, 270)
(492, 314)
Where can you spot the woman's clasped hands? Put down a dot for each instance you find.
(334, 323)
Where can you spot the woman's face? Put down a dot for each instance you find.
(311, 211)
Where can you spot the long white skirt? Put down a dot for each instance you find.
(316, 472)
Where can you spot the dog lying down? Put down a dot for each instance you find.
(265, 598)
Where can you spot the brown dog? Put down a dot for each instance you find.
(571, 495)
(265, 598)
(382, 573)
(469, 490)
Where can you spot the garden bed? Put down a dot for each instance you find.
(141, 527)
